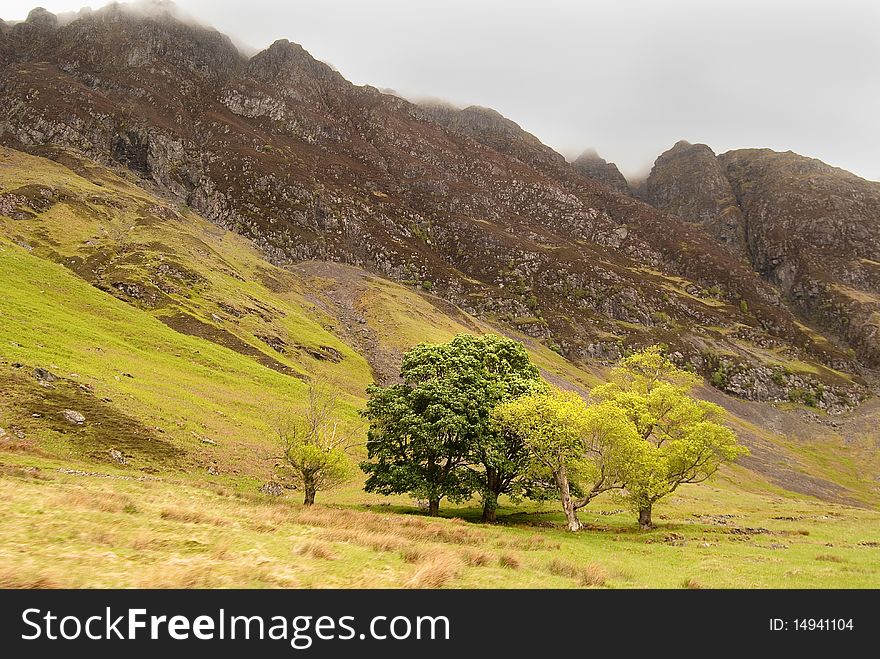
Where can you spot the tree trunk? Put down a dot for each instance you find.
(310, 491)
(574, 524)
(490, 507)
(433, 507)
(645, 522)
(490, 499)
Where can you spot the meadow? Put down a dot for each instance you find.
(176, 341)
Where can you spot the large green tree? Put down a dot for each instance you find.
(432, 436)
(684, 439)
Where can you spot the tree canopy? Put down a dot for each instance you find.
(580, 447)
(431, 435)
(684, 439)
(314, 443)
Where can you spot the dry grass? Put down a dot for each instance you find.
(364, 538)
(691, 584)
(415, 554)
(591, 574)
(105, 502)
(191, 516)
(477, 557)
(563, 568)
(409, 527)
(179, 574)
(436, 572)
(509, 560)
(11, 578)
(315, 549)
(831, 558)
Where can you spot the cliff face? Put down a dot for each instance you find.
(688, 181)
(591, 164)
(283, 150)
(810, 229)
(814, 231)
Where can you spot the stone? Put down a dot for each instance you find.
(272, 488)
(592, 165)
(117, 456)
(74, 417)
(44, 375)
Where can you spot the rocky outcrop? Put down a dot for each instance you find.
(810, 229)
(688, 181)
(283, 150)
(592, 165)
(814, 231)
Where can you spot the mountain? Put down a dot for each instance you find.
(145, 353)
(281, 149)
(188, 234)
(689, 182)
(811, 230)
(592, 165)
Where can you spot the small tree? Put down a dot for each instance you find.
(314, 444)
(431, 436)
(580, 447)
(684, 440)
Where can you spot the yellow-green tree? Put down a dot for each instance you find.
(581, 448)
(684, 440)
(314, 443)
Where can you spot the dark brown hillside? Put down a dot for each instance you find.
(810, 229)
(282, 149)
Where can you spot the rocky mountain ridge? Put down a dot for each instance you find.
(282, 149)
(810, 229)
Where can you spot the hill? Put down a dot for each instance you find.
(281, 149)
(188, 235)
(174, 341)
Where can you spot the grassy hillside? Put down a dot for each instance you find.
(177, 341)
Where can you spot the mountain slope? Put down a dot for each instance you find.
(811, 230)
(157, 483)
(283, 150)
(178, 342)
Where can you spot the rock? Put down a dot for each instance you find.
(42, 18)
(44, 375)
(689, 181)
(74, 417)
(213, 471)
(273, 489)
(591, 164)
(116, 456)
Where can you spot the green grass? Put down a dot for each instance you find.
(180, 403)
(78, 531)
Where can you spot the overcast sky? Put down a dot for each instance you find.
(628, 77)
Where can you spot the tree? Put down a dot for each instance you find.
(684, 440)
(582, 448)
(314, 444)
(431, 435)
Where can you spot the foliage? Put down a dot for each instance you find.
(431, 436)
(314, 444)
(579, 447)
(685, 439)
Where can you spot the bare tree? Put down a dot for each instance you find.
(314, 443)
